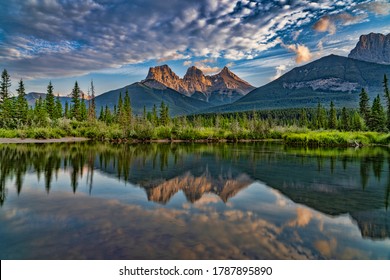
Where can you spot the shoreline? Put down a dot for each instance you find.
(36, 141)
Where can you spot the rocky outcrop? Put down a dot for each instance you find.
(223, 87)
(373, 47)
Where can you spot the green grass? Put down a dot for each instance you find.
(336, 138)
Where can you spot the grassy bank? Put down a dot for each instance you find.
(336, 138)
(290, 135)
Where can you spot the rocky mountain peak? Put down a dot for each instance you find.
(193, 71)
(222, 88)
(373, 47)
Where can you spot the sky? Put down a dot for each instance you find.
(115, 42)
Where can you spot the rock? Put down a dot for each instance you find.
(373, 47)
(224, 87)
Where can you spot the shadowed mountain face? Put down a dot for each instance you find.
(335, 182)
(331, 78)
(151, 93)
(224, 87)
(374, 47)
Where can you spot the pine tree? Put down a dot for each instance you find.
(332, 117)
(76, 107)
(83, 110)
(320, 120)
(344, 122)
(92, 105)
(303, 118)
(4, 86)
(67, 111)
(377, 121)
(364, 106)
(21, 106)
(127, 107)
(154, 115)
(101, 115)
(119, 111)
(40, 113)
(108, 115)
(58, 108)
(387, 96)
(357, 123)
(164, 114)
(50, 102)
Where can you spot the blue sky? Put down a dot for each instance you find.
(115, 42)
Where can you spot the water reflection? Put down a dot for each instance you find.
(205, 201)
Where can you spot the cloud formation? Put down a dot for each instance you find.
(325, 24)
(302, 52)
(55, 38)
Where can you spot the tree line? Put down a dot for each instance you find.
(15, 113)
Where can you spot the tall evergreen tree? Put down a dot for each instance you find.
(377, 121)
(320, 119)
(21, 106)
(154, 115)
(344, 122)
(92, 104)
(5, 86)
(58, 108)
(164, 114)
(332, 116)
(40, 113)
(387, 96)
(50, 101)
(364, 106)
(76, 104)
(67, 113)
(303, 122)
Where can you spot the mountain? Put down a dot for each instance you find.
(374, 47)
(224, 87)
(32, 97)
(143, 94)
(330, 78)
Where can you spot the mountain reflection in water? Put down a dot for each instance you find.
(201, 201)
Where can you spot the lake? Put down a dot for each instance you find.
(193, 201)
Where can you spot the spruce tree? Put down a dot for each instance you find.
(377, 121)
(92, 105)
(21, 106)
(50, 102)
(164, 114)
(387, 96)
(154, 115)
(83, 110)
(4, 86)
(332, 116)
(364, 106)
(76, 104)
(344, 122)
(67, 111)
(58, 108)
(303, 118)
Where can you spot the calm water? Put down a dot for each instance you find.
(193, 201)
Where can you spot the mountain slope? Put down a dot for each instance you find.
(224, 87)
(330, 78)
(374, 47)
(143, 95)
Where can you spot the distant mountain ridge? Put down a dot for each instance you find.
(224, 87)
(331, 78)
(144, 96)
(373, 47)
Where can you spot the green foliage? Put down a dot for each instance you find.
(4, 86)
(76, 104)
(377, 120)
(364, 106)
(50, 102)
